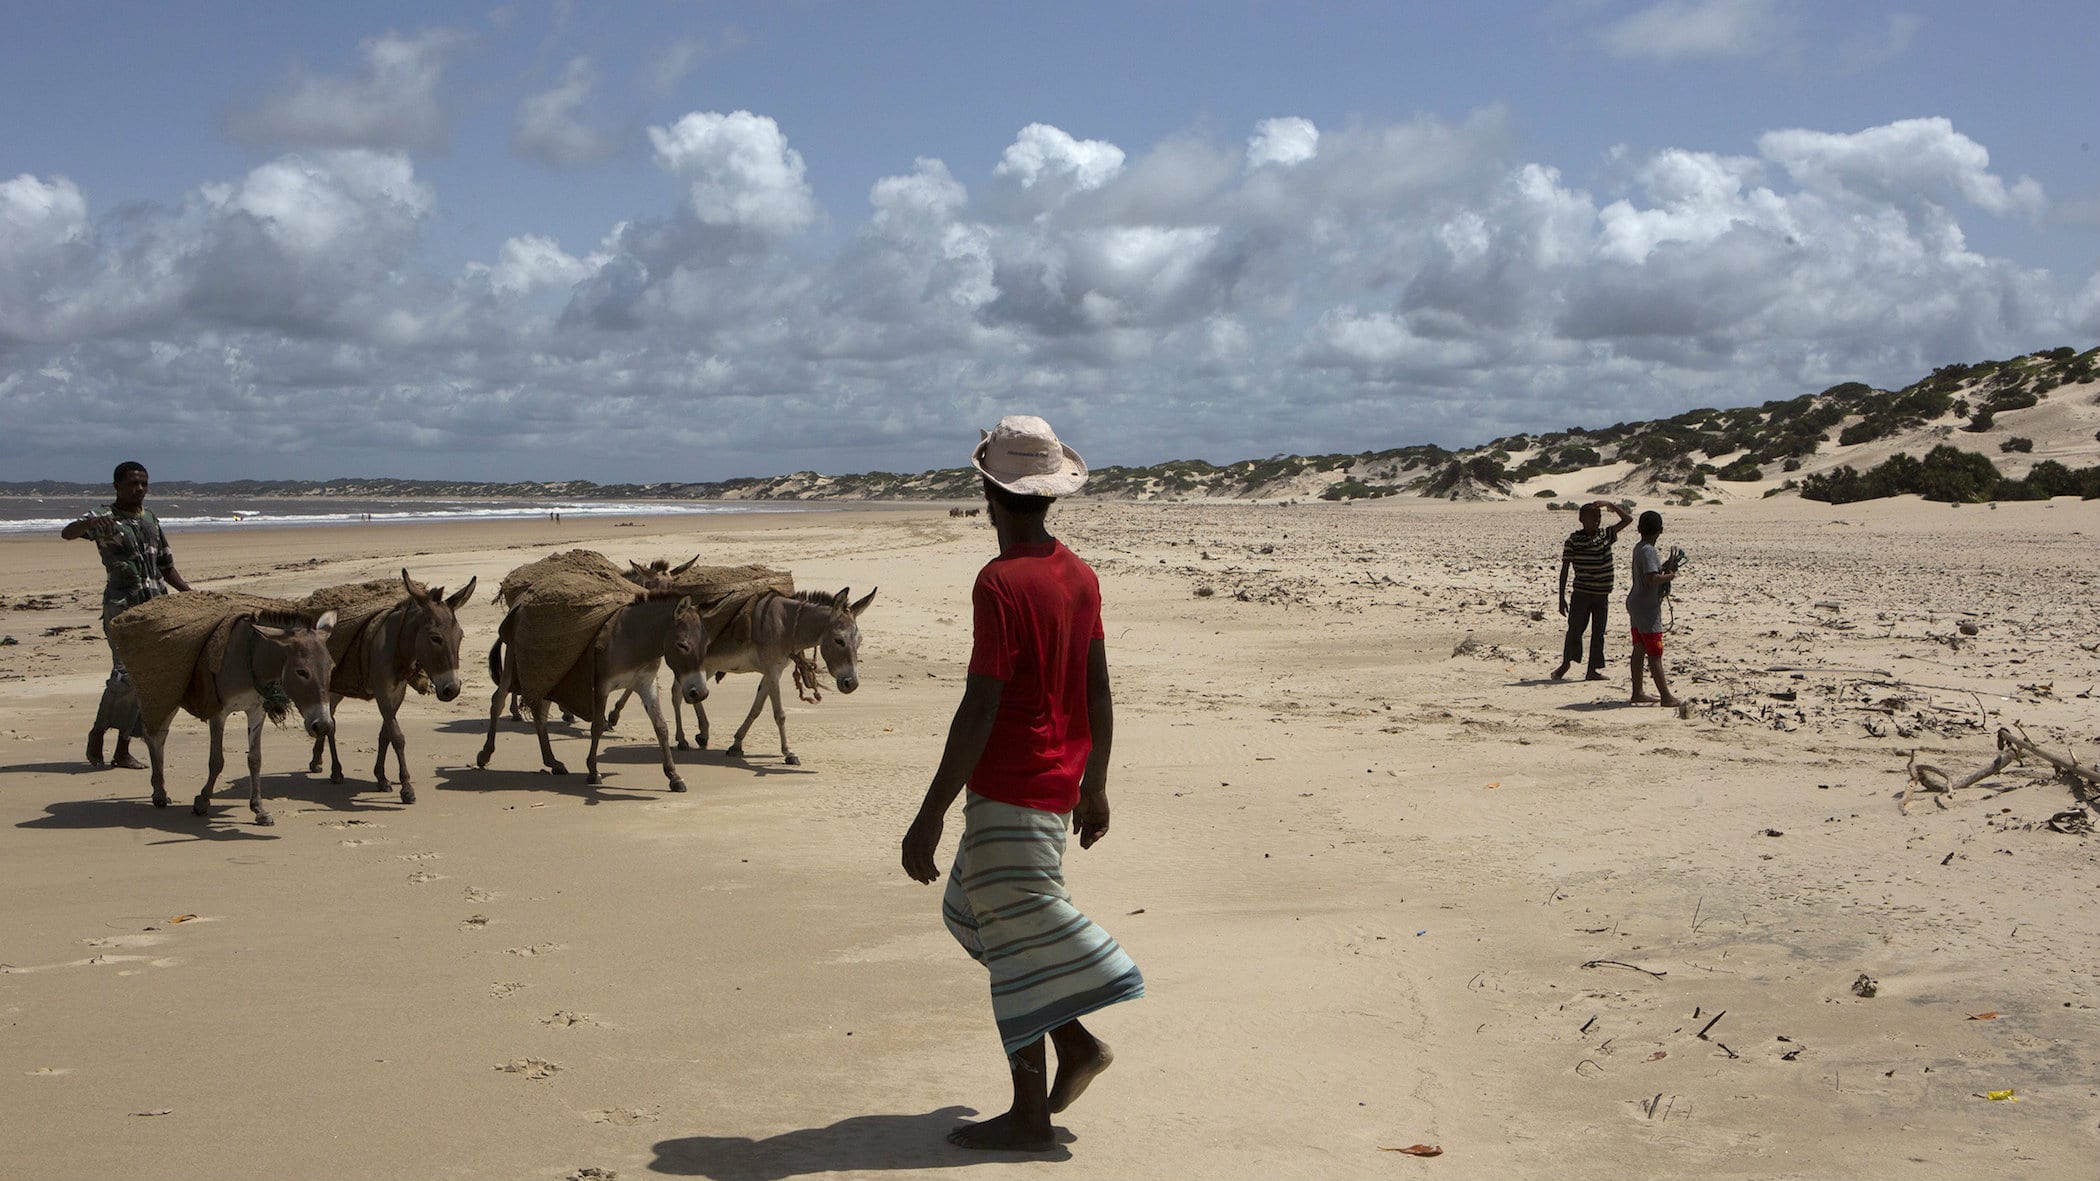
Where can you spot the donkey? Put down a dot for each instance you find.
(269, 657)
(761, 633)
(641, 637)
(418, 635)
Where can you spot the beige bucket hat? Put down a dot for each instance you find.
(1022, 454)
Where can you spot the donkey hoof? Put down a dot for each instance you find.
(792, 760)
(335, 777)
(735, 752)
(684, 745)
(265, 819)
(202, 807)
(678, 785)
(556, 769)
(481, 761)
(594, 780)
(160, 799)
(314, 768)
(408, 794)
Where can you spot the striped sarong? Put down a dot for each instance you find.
(1007, 905)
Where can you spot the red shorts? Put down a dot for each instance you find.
(1649, 642)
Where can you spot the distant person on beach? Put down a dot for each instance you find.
(1651, 581)
(1031, 741)
(1587, 552)
(139, 566)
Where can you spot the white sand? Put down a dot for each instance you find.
(1362, 875)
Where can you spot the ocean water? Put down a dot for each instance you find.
(29, 515)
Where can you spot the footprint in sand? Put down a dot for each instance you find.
(504, 988)
(532, 1068)
(477, 894)
(474, 922)
(565, 1019)
(624, 1117)
(424, 877)
(535, 949)
(425, 856)
(351, 824)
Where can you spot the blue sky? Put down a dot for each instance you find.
(653, 241)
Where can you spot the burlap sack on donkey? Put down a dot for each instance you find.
(173, 644)
(358, 607)
(559, 605)
(708, 586)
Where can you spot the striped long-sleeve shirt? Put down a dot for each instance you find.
(1588, 555)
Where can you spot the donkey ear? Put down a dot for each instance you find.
(861, 606)
(688, 565)
(460, 596)
(325, 624)
(415, 589)
(269, 631)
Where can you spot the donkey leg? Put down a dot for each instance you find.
(496, 700)
(335, 760)
(678, 717)
(758, 702)
(539, 726)
(598, 695)
(663, 739)
(255, 727)
(157, 751)
(217, 763)
(390, 731)
(780, 720)
(612, 720)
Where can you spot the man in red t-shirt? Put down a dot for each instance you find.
(1031, 741)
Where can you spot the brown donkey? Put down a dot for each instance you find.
(270, 662)
(640, 637)
(415, 640)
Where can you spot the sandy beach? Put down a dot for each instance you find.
(1389, 884)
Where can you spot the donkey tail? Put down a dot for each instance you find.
(503, 635)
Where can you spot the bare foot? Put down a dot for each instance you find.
(94, 750)
(1593, 675)
(1668, 700)
(126, 760)
(1003, 1134)
(1562, 671)
(1075, 1071)
(1641, 699)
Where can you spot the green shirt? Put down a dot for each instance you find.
(135, 555)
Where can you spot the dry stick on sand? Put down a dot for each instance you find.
(1623, 964)
(2011, 749)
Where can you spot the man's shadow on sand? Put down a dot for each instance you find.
(893, 1143)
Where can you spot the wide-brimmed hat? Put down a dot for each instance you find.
(1022, 455)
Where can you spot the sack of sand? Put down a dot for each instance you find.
(171, 646)
(559, 604)
(357, 607)
(709, 586)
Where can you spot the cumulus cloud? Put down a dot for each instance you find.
(1043, 153)
(1692, 30)
(1282, 142)
(740, 169)
(391, 101)
(1901, 163)
(556, 127)
(1282, 287)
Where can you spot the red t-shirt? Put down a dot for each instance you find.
(1037, 610)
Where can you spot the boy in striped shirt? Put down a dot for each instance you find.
(1587, 552)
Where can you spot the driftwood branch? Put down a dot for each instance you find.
(2011, 749)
